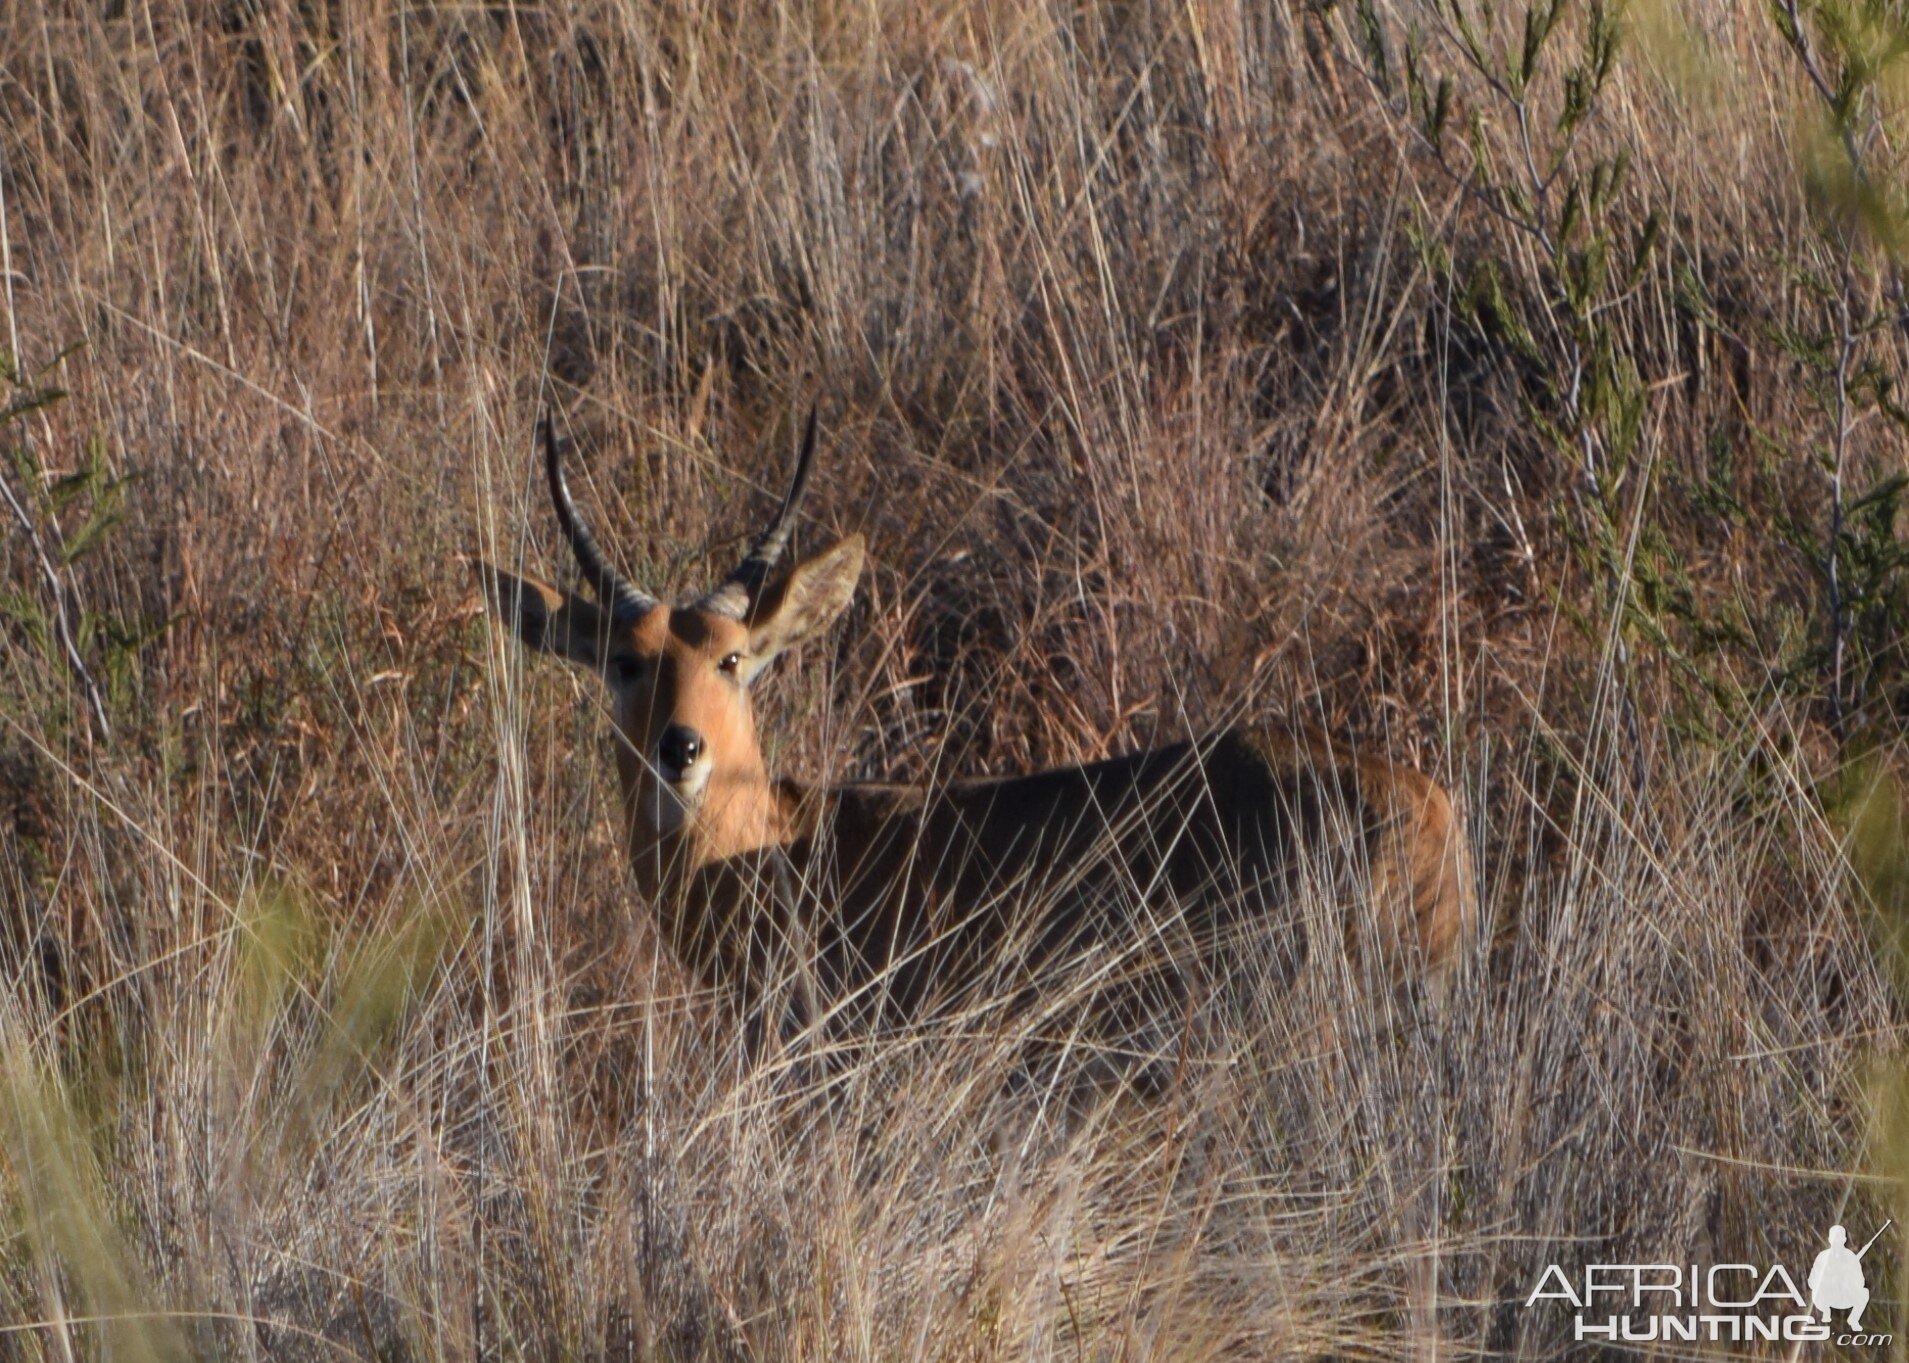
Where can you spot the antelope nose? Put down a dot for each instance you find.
(679, 747)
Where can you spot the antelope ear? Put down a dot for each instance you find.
(803, 602)
(546, 619)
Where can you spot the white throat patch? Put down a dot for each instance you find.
(667, 804)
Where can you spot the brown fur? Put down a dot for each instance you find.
(922, 893)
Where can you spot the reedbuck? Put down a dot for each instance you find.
(904, 897)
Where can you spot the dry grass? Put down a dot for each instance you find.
(331, 1028)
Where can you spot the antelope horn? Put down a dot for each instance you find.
(609, 586)
(739, 590)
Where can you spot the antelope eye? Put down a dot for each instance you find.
(624, 669)
(731, 663)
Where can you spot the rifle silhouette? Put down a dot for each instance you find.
(1874, 1238)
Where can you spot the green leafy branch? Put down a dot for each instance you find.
(35, 507)
(1526, 168)
(1850, 50)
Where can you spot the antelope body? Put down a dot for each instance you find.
(910, 895)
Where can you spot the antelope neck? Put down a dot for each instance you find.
(740, 812)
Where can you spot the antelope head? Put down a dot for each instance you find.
(695, 784)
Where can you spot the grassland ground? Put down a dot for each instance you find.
(1515, 390)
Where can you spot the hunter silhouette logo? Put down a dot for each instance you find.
(1736, 1303)
(1836, 1278)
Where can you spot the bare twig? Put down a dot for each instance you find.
(1845, 353)
(1798, 38)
